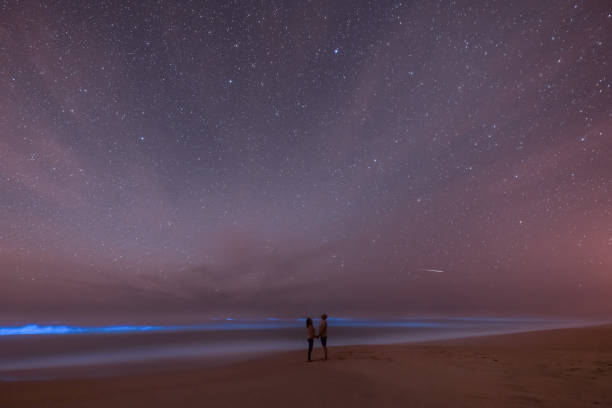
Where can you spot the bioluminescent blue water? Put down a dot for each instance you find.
(268, 323)
(34, 347)
(227, 324)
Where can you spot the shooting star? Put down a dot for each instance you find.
(431, 270)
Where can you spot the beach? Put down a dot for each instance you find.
(550, 368)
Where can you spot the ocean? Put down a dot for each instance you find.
(39, 352)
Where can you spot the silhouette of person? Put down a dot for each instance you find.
(323, 333)
(311, 336)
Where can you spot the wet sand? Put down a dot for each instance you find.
(552, 368)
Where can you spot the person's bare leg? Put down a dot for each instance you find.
(310, 344)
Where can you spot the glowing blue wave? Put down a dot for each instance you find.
(228, 323)
(36, 329)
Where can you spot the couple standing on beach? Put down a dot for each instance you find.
(322, 334)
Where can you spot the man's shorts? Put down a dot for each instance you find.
(324, 341)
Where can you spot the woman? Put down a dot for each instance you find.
(311, 336)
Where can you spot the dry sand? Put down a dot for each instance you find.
(554, 368)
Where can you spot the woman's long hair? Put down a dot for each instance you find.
(308, 322)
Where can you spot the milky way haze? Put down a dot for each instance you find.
(354, 157)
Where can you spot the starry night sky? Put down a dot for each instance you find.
(270, 157)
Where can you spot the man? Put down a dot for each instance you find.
(323, 333)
